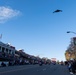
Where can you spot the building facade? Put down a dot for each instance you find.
(7, 52)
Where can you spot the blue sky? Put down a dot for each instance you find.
(31, 25)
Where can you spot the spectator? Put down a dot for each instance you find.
(73, 66)
(3, 64)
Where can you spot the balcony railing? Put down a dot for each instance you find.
(6, 55)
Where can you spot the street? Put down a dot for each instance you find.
(35, 70)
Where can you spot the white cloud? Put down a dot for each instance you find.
(7, 13)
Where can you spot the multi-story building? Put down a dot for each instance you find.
(7, 52)
(9, 55)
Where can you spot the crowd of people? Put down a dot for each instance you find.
(71, 64)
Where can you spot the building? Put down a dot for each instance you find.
(10, 56)
(7, 52)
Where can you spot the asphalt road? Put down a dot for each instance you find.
(35, 70)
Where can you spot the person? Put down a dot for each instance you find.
(66, 62)
(73, 65)
(3, 64)
(70, 67)
(40, 63)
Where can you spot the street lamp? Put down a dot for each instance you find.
(74, 38)
(71, 32)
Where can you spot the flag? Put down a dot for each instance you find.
(1, 36)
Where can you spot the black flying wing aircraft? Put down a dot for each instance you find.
(56, 11)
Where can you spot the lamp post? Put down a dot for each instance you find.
(71, 32)
(74, 39)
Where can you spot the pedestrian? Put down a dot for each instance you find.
(69, 67)
(74, 66)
